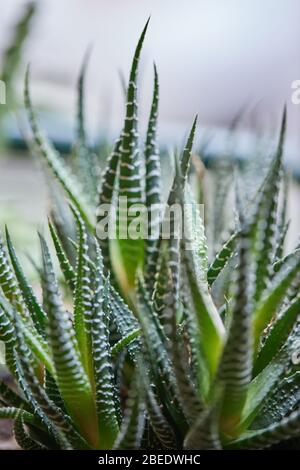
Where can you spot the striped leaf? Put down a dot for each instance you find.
(221, 259)
(6, 328)
(34, 307)
(204, 435)
(160, 288)
(206, 327)
(85, 160)
(10, 412)
(235, 367)
(11, 398)
(263, 385)
(55, 162)
(82, 294)
(152, 189)
(283, 223)
(269, 304)
(156, 350)
(65, 265)
(159, 423)
(264, 225)
(34, 341)
(187, 151)
(8, 282)
(125, 341)
(184, 388)
(101, 353)
(71, 377)
(105, 201)
(22, 437)
(123, 320)
(53, 392)
(56, 423)
(277, 336)
(132, 428)
(288, 427)
(154, 335)
(130, 249)
(285, 397)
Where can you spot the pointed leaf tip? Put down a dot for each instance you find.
(283, 129)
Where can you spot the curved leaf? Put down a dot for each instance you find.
(54, 161)
(131, 250)
(152, 189)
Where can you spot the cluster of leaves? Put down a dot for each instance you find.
(147, 358)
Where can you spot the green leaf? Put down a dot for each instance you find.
(277, 432)
(82, 294)
(123, 319)
(264, 219)
(284, 398)
(152, 189)
(71, 377)
(130, 249)
(125, 341)
(53, 392)
(160, 288)
(154, 336)
(64, 263)
(35, 309)
(277, 266)
(12, 55)
(38, 347)
(8, 282)
(22, 437)
(220, 181)
(55, 162)
(235, 367)
(101, 353)
(85, 160)
(204, 434)
(187, 151)
(206, 327)
(54, 420)
(159, 361)
(269, 304)
(6, 328)
(105, 201)
(9, 397)
(222, 258)
(132, 427)
(194, 239)
(159, 423)
(265, 382)
(34, 340)
(277, 336)
(283, 224)
(11, 412)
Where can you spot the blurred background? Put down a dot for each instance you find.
(214, 58)
(231, 62)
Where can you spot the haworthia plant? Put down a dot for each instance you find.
(154, 347)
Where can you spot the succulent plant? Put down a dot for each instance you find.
(147, 358)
